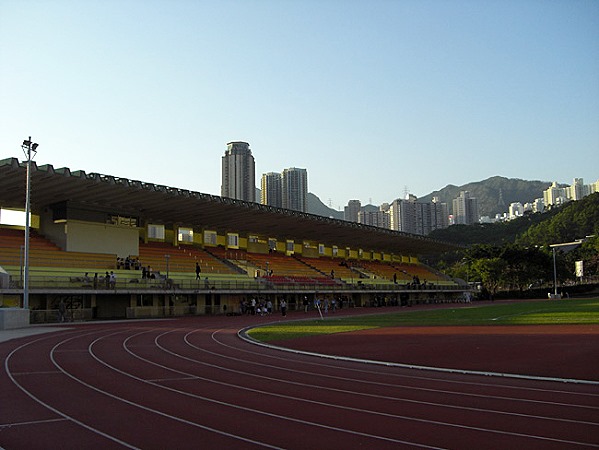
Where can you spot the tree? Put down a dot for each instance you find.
(526, 265)
(490, 271)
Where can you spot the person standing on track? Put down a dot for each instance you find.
(283, 307)
(62, 310)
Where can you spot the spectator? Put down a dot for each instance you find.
(62, 309)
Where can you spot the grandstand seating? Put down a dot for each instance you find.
(181, 259)
(48, 263)
(276, 268)
(404, 272)
(326, 265)
(42, 252)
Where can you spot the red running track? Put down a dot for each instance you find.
(192, 383)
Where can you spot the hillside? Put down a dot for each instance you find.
(315, 206)
(498, 233)
(488, 193)
(572, 221)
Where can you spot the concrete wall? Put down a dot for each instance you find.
(102, 238)
(53, 231)
(12, 318)
(4, 279)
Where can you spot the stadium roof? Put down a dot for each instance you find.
(172, 206)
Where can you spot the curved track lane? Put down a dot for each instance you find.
(192, 383)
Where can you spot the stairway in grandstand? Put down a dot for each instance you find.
(181, 259)
(330, 267)
(274, 267)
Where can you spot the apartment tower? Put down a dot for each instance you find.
(238, 172)
(294, 190)
(271, 189)
(465, 209)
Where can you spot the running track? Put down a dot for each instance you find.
(193, 383)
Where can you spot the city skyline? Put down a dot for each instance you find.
(372, 99)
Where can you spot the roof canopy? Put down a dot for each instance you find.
(153, 203)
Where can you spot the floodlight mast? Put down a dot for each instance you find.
(28, 148)
(566, 246)
(554, 274)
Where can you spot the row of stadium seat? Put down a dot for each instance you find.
(182, 259)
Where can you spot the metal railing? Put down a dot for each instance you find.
(66, 283)
(53, 315)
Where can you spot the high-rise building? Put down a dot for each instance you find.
(538, 205)
(294, 190)
(403, 215)
(373, 216)
(407, 215)
(238, 172)
(271, 189)
(439, 214)
(465, 209)
(577, 190)
(554, 195)
(351, 211)
(515, 210)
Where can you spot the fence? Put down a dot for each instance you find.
(52, 315)
(66, 283)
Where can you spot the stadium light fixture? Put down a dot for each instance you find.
(564, 247)
(28, 148)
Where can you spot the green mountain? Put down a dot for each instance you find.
(316, 206)
(494, 194)
(574, 220)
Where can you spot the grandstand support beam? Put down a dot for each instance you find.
(28, 147)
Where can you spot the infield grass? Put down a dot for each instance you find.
(549, 312)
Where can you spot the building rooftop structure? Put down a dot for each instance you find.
(170, 205)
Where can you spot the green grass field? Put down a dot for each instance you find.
(548, 312)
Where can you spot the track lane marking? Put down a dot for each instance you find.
(185, 393)
(368, 411)
(51, 408)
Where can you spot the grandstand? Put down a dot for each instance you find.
(89, 227)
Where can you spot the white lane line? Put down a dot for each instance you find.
(392, 385)
(41, 372)
(375, 412)
(413, 377)
(243, 335)
(143, 407)
(51, 408)
(252, 410)
(31, 422)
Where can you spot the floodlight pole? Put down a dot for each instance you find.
(566, 246)
(554, 274)
(28, 147)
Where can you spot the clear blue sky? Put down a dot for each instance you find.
(370, 97)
